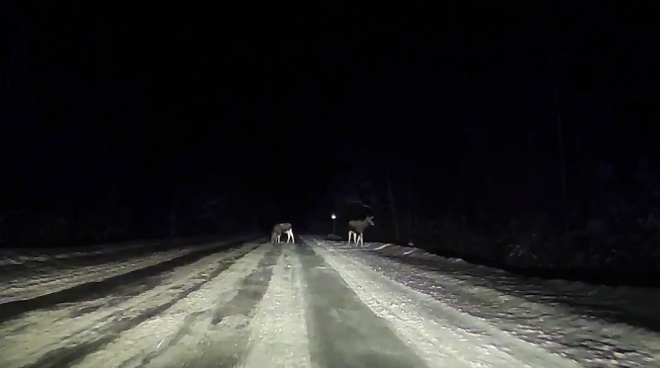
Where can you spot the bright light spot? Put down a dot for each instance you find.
(333, 216)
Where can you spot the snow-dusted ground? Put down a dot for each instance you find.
(30, 276)
(312, 304)
(9, 256)
(599, 326)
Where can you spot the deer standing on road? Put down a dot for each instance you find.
(279, 229)
(356, 229)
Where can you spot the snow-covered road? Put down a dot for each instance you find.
(258, 305)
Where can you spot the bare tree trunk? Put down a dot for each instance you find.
(416, 213)
(173, 220)
(411, 204)
(390, 192)
(110, 211)
(462, 200)
(410, 210)
(562, 160)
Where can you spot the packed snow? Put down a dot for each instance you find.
(316, 304)
(20, 256)
(278, 336)
(174, 335)
(48, 277)
(600, 325)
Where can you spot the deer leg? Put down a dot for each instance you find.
(350, 236)
(293, 238)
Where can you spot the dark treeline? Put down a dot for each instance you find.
(560, 180)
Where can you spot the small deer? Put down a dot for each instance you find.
(356, 229)
(279, 229)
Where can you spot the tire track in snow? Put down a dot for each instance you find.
(82, 316)
(83, 258)
(343, 331)
(49, 290)
(226, 329)
(61, 341)
(139, 287)
(278, 336)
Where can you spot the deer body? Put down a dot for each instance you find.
(356, 229)
(279, 229)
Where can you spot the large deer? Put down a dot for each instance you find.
(356, 229)
(279, 229)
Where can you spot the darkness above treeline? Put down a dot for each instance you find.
(289, 111)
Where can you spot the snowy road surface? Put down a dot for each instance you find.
(258, 305)
(29, 276)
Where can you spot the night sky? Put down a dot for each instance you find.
(276, 104)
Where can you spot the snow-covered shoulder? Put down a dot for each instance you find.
(561, 316)
(437, 332)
